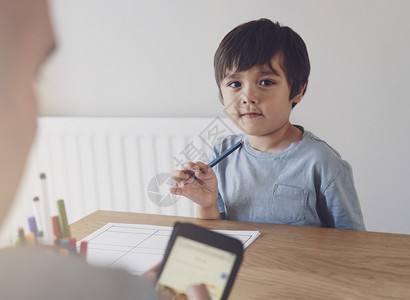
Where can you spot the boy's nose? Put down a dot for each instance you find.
(249, 96)
(246, 100)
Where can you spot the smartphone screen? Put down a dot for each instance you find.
(192, 262)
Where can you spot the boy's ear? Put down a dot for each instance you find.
(298, 97)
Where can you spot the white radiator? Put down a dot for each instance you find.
(107, 163)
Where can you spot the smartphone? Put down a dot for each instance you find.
(196, 255)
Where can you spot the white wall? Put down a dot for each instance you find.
(154, 58)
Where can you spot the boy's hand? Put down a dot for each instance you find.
(203, 190)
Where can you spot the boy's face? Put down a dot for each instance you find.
(257, 100)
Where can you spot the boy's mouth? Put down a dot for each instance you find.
(251, 115)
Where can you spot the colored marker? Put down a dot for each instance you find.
(65, 229)
(40, 237)
(65, 243)
(72, 247)
(30, 238)
(22, 237)
(32, 225)
(72, 241)
(223, 156)
(83, 249)
(39, 214)
(48, 230)
(56, 227)
(69, 244)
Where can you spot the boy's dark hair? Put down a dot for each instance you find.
(256, 43)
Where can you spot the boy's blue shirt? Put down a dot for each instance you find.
(305, 184)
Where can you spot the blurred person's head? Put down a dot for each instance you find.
(26, 40)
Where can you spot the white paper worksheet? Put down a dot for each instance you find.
(138, 247)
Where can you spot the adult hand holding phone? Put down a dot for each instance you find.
(197, 291)
(197, 259)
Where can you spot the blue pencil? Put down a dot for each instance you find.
(223, 156)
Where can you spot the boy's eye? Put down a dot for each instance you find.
(234, 84)
(266, 82)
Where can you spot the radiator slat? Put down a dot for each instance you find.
(103, 163)
(139, 198)
(103, 173)
(76, 177)
(149, 168)
(85, 178)
(119, 185)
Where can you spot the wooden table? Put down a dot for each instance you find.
(297, 262)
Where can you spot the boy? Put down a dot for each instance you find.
(283, 173)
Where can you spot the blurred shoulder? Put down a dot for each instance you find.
(44, 274)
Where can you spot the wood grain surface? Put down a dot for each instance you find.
(299, 262)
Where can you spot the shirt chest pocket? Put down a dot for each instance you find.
(288, 203)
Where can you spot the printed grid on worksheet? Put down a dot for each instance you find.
(137, 247)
